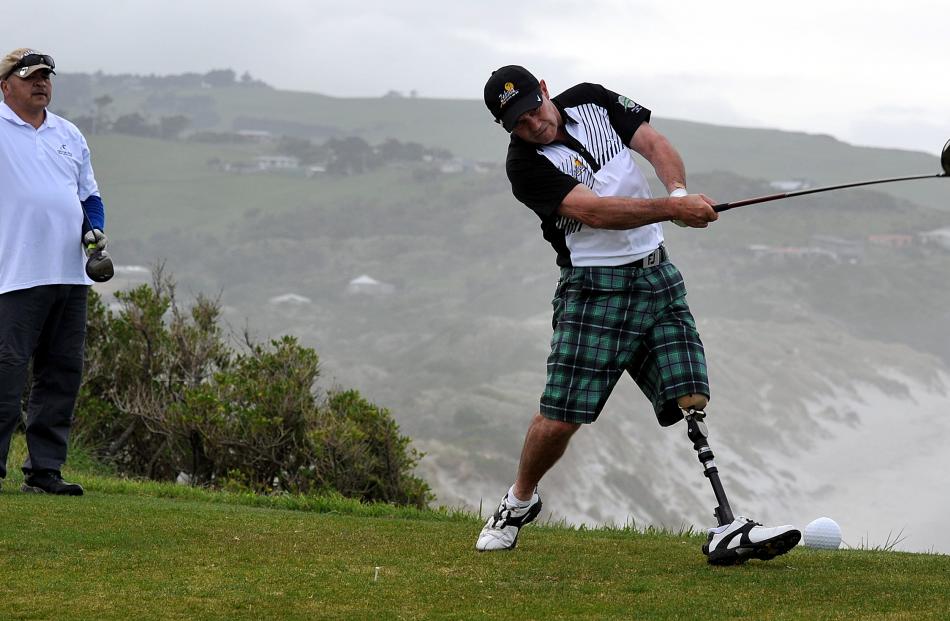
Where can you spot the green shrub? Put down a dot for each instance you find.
(164, 394)
(253, 419)
(359, 452)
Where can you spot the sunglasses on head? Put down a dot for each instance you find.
(31, 60)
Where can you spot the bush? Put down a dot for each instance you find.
(250, 421)
(164, 394)
(359, 452)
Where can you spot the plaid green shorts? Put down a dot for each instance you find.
(608, 320)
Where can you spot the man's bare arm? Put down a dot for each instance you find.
(619, 212)
(664, 158)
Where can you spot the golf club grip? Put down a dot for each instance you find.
(749, 201)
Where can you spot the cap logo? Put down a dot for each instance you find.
(507, 94)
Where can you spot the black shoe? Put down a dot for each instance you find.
(735, 543)
(50, 482)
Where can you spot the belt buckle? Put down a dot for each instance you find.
(652, 259)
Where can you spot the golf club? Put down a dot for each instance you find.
(944, 163)
(99, 265)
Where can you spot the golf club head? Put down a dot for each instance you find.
(99, 266)
(945, 158)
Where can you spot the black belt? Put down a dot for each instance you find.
(654, 258)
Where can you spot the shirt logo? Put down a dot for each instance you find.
(579, 169)
(506, 95)
(63, 150)
(629, 104)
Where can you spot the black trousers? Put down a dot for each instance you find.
(47, 324)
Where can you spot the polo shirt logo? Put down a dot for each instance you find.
(63, 150)
(629, 104)
(579, 169)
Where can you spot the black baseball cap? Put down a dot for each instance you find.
(510, 92)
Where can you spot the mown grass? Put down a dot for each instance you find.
(147, 551)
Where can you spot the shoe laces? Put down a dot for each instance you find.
(501, 516)
(504, 513)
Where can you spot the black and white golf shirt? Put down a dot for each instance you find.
(600, 124)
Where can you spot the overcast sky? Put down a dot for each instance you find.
(870, 73)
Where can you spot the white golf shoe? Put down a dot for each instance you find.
(735, 543)
(501, 530)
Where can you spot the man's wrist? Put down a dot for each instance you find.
(678, 191)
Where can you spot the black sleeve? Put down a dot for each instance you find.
(535, 181)
(625, 114)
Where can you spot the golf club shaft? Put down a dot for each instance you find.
(88, 222)
(774, 197)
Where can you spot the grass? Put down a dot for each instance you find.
(152, 551)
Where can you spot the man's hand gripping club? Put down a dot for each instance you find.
(94, 240)
(98, 264)
(693, 209)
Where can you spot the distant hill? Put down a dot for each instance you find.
(464, 127)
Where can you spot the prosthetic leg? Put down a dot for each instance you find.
(692, 407)
(733, 541)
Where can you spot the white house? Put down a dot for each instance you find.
(368, 285)
(940, 237)
(791, 185)
(291, 299)
(133, 271)
(277, 162)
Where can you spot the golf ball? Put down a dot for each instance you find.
(823, 534)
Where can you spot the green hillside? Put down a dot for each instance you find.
(459, 243)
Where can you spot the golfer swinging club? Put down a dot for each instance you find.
(620, 304)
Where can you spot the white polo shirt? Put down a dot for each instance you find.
(599, 124)
(45, 173)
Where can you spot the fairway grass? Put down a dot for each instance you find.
(136, 555)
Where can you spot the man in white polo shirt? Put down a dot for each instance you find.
(50, 215)
(620, 304)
